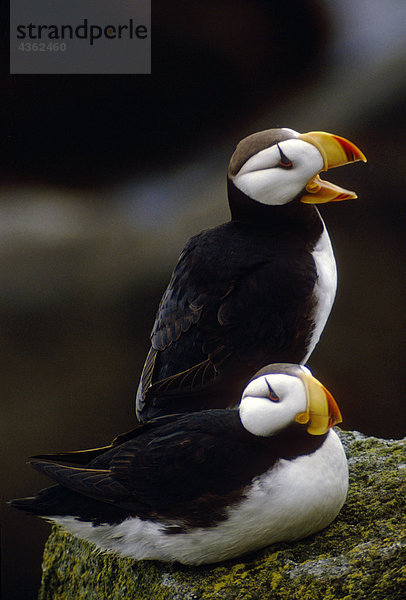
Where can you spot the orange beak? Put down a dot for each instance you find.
(336, 151)
(322, 411)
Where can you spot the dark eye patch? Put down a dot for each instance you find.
(285, 163)
(272, 396)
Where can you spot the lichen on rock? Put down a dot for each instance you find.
(362, 555)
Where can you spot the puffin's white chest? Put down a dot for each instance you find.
(325, 288)
(294, 499)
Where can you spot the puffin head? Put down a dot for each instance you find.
(275, 166)
(282, 394)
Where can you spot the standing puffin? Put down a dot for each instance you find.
(255, 290)
(207, 486)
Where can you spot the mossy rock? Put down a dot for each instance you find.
(362, 555)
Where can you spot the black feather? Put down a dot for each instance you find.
(179, 469)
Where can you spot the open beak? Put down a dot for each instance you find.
(322, 411)
(336, 151)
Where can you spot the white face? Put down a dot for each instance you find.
(263, 178)
(264, 417)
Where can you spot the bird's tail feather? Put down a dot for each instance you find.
(47, 502)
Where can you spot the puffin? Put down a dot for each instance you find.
(255, 290)
(207, 486)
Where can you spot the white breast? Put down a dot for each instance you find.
(325, 288)
(294, 499)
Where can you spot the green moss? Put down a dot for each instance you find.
(361, 555)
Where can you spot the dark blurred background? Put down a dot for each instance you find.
(105, 178)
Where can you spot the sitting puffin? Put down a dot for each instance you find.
(255, 290)
(207, 486)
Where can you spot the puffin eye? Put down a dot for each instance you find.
(272, 396)
(285, 163)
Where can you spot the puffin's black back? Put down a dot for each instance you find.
(240, 297)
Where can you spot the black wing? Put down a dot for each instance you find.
(187, 470)
(176, 345)
(231, 307)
